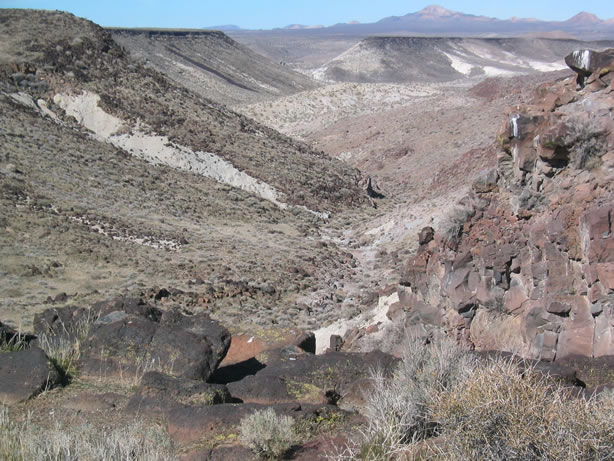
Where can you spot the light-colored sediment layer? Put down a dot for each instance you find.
(158, 150)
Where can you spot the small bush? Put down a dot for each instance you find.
(268, 434)
(134, 442)
(507, 413)
(452, 223)
(399, 408)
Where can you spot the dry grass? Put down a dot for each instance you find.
(399, 408)
(63, 348)
(505, 412)
(13, 343)
(135, 442)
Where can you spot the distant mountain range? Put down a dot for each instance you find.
(436, 20)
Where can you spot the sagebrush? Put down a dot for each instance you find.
(399, 407)
(511, 412)
(268, 434)
(441, 404)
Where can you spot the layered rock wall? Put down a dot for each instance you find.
(526, 262)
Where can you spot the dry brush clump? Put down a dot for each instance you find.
(134, 442)
(509, 412)
(63, 347)
(399, 407)
(442, 404)
(452, 223)
(268, 434)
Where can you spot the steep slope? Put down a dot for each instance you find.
(213, 65)
(432, 59)
(114, 177)
(80, 57)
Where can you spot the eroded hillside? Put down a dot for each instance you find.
(114, 177)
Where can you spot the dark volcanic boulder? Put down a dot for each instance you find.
(25, 373)
(268, 390)
(586, 62)
(159, 393)
(330, 377)
(131, 337)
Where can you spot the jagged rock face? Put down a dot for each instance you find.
(528, 266)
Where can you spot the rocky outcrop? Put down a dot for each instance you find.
(588, 62)
(526, 262)
(159, 393)
(332, 378)
(126, 342)
(128, 336)
(166, 363)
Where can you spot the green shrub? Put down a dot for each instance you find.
(268, 434)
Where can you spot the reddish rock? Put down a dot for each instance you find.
(426, 235)
(605, 272)
(549, 345)
(246, 346)
(396, 312)
(514, 299)
(576, 339)
(603, 343)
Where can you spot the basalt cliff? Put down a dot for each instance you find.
(525, 263)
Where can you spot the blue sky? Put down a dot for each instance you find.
(267, 14)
